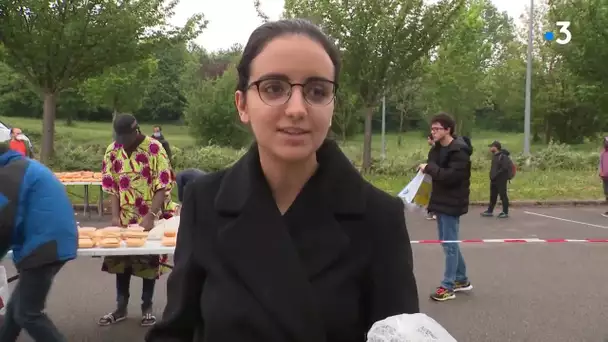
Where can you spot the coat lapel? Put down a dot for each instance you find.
(277, 257)
(257, 246)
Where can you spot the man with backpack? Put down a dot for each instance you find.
(37, 222)
(501, 171)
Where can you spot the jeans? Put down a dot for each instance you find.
(496, 189)
(26, 305)
(123, 285)
(455, 268)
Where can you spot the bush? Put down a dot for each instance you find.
(211, 115)
(75, 157)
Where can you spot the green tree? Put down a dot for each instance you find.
(211, 114)
(122, 87)
(457, 77)
(57, 45)
(380, 41)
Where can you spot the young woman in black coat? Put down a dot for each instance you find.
(290, 244)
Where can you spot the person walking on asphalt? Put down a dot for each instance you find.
(37, 223)
(500, 174)
(449, 165)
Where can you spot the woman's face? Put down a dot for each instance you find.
(291, 127)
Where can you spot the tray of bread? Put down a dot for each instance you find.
(111, 237)
(79, 177)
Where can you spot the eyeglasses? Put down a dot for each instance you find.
(436, 129)
(276, 92)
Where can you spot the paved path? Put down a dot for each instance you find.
(523, 292)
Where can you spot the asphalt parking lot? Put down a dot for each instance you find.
(522, 292)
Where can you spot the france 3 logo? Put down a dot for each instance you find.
(564, 32)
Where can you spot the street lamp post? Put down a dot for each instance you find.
(529, 82)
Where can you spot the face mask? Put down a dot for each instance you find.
(156, 134)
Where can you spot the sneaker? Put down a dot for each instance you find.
(487, 214)
(442, 294)
(605, 214)
(431, 217)
(462, 286)
(503, 215)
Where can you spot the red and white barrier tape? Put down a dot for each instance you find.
(510, 241)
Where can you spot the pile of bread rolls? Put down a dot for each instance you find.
(85, 237)
(169, 238)
(111, 237)
(135, 236)
(108, 237)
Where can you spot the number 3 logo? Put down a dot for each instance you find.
(563, 28)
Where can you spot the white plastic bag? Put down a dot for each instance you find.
(417, 193)
(4, 291)
(160, 226)
(408, 328)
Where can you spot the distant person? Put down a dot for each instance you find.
(37, 223)
(603, 170)
(449, 164)
(431, 142)
(137, 175)
(19, 143)
(158, 135)
(500, 173)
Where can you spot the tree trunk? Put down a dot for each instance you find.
(399, 137)
(47, 149)
(367, 141)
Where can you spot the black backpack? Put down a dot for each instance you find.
(12, 177)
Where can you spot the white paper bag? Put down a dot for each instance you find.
(418, 191)
(4, 290)
(408, 328)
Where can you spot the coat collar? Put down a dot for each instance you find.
(262, 247)
(342, 183)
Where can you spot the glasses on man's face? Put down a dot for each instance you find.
(437, 129)
(276, 92)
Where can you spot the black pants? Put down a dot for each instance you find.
(25, 309)
(499, 189)
(123, 286)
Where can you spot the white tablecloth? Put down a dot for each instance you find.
(150, 248)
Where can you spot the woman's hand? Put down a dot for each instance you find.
(148, 222)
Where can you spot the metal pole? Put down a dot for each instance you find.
(383, 127)
(529, 82)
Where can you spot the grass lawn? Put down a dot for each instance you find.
(530, 185)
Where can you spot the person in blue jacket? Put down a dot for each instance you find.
(37, 223)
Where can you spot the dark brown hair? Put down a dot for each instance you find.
(264, 34)
(446, 121)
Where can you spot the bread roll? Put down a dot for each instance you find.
(135, 227)
(112, 229)
(85, 243)
(170, 233)
(168, 241)
(136, 234)
(135, 242)
(86, 231)
(110, 242)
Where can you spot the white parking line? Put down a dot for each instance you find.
(566, 220)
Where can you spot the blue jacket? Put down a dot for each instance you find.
(44, 229)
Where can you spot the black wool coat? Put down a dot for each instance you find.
(337, 261)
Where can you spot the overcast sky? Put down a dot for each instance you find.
(231, 21)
